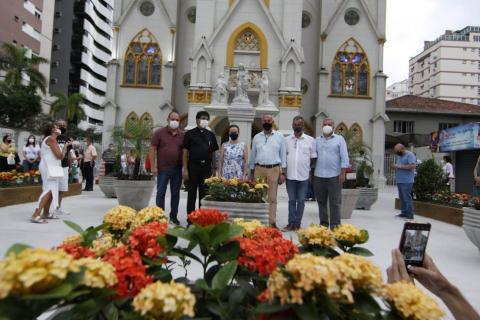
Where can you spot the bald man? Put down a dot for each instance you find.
(405, 172)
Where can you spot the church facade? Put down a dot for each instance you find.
(319, 58)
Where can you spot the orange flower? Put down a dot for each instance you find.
(207, 217)
(144, 238)
(76, 250)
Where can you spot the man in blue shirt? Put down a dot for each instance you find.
(405, 174)
(330, 167)
(269, 160)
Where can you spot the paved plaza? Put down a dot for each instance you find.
(454, 254)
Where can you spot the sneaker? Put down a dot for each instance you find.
(289, 227)
(60, 211)
(401, 216)
(175, 221)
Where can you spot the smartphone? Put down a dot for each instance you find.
(413, 242)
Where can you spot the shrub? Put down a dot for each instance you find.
(429, 180)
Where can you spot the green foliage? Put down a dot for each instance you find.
(234, 190)
(429, 180)
(69, 105)
(19, 104)
(365, 169)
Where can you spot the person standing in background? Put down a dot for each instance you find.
(63, 142)
(330, 169)
(108, 157)
(166, 163)
(7, 154)
(269, 160)
(89, 164)
(301, 152)
(448, 172)
(31, 154)
(405, 176)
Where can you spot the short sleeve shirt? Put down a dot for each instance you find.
(404, 175)
(200, 143)
(90, 153)
(169, 148)
(62, 141)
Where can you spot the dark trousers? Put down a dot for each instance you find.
(198, 172)
(297, 191)
(174, 176)
(406, 200)
(328, 190)
(88, 175)
(108, 168)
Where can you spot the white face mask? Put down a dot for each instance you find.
(31, 140)
(58, 131)
(174, 124)
(327, 130)
(203, 124)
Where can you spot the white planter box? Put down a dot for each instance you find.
(471, 225)
(134, 193)
(366, 198)
(349, 200)
(243, 210)
(106, 185)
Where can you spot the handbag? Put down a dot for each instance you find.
(54, 172)
(11, 159)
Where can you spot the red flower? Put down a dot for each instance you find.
(207, 217)
(144, 238)
(130, 271)
(76, 250)
(265, 250)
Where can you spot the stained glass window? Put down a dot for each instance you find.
(350, 71)
(143, 62)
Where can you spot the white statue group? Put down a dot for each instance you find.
(221, 90)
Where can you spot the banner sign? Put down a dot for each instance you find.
(464, 137)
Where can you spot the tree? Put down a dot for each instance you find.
(70, 104)
(16, 64)
(19, 105)
(429, 180)
(359, 154)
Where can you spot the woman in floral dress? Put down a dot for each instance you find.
(233, 156)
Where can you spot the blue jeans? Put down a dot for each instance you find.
(297, 191)
(406, 201)
(174, 175)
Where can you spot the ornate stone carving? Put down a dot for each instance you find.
(199, 96)
(263, 85)
(220, 91)
(242, 85)
(290, 100)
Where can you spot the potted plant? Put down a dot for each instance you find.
(471, 221)
(368, 194)
(134, 188)
(241, 199)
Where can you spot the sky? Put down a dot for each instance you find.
(410, 22)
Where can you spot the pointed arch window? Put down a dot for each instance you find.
(143, 62)
(341, 129)
(247, 45)
(350, 71)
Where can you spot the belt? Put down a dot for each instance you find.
(269, 166)
(201, 161)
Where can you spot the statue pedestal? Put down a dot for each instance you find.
(242, 114)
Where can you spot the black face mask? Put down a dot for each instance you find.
(297, 129)
(267, 126)
(399, 153)
(63, 130)
(233, 136)
(9, 141)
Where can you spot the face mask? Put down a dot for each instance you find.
(297, 129)
(203, 124)
(327, 130)
(173, 124)
(58, 131)
(399, 153)
(267, 126)
(63, 130)
(9, 141)
(233, 136)
(31, 140)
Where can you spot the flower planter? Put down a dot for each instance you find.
(366, 198)
(444, 213)
(17, 195)
(471, 225)
(106, 185)
(349, 200)
(243, 210)
(134, 193)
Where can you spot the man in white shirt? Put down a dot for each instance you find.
(301, 152)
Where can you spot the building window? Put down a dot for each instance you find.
(442, 126)
(58, 14)
(186, 80)
(400, 126)
(147, 8)
(306, 19)
(143, 62)
(37, 15)
(350, 71)
(352, 17)
(464, 100)
(192, 14)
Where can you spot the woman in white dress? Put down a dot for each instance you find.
(50, 155)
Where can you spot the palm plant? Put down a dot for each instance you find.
(359, 154)
(70, 104)
(16, 65)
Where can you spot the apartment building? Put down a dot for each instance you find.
(82, 38)
(397, 89)
(448, 68)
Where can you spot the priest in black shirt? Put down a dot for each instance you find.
(199, 146)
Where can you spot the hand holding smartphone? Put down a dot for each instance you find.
(413, 242)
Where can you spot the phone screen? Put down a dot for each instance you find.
(414, 242)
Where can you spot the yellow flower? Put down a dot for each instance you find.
(75, 239)
(261, 186)
(251, 190)
(365, 275)
(166, 301)
(103, 243)
(249, 226)
(98, 274)
(411, 302)
(119, 218)
(350, 233)
(34, 271)
(245, 185)
(233, 182)
(213, 180)
(147, 215)
(316, 235)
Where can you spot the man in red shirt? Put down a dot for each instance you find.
(166, 162)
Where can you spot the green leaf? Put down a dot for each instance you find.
(180, 232)
(359, 251)
(171, 240)
(266, 308)
(235, 231)
(306, 311)
(227, 252)
(202, 284)
(162, 275)
(202, 236)
(112, 312)
(182, 252)
(224, 276)
(364, 236)
(74, 226)
(217, 309)
(17, 248)
(235, 298)
(219, 233)
(56, 293)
